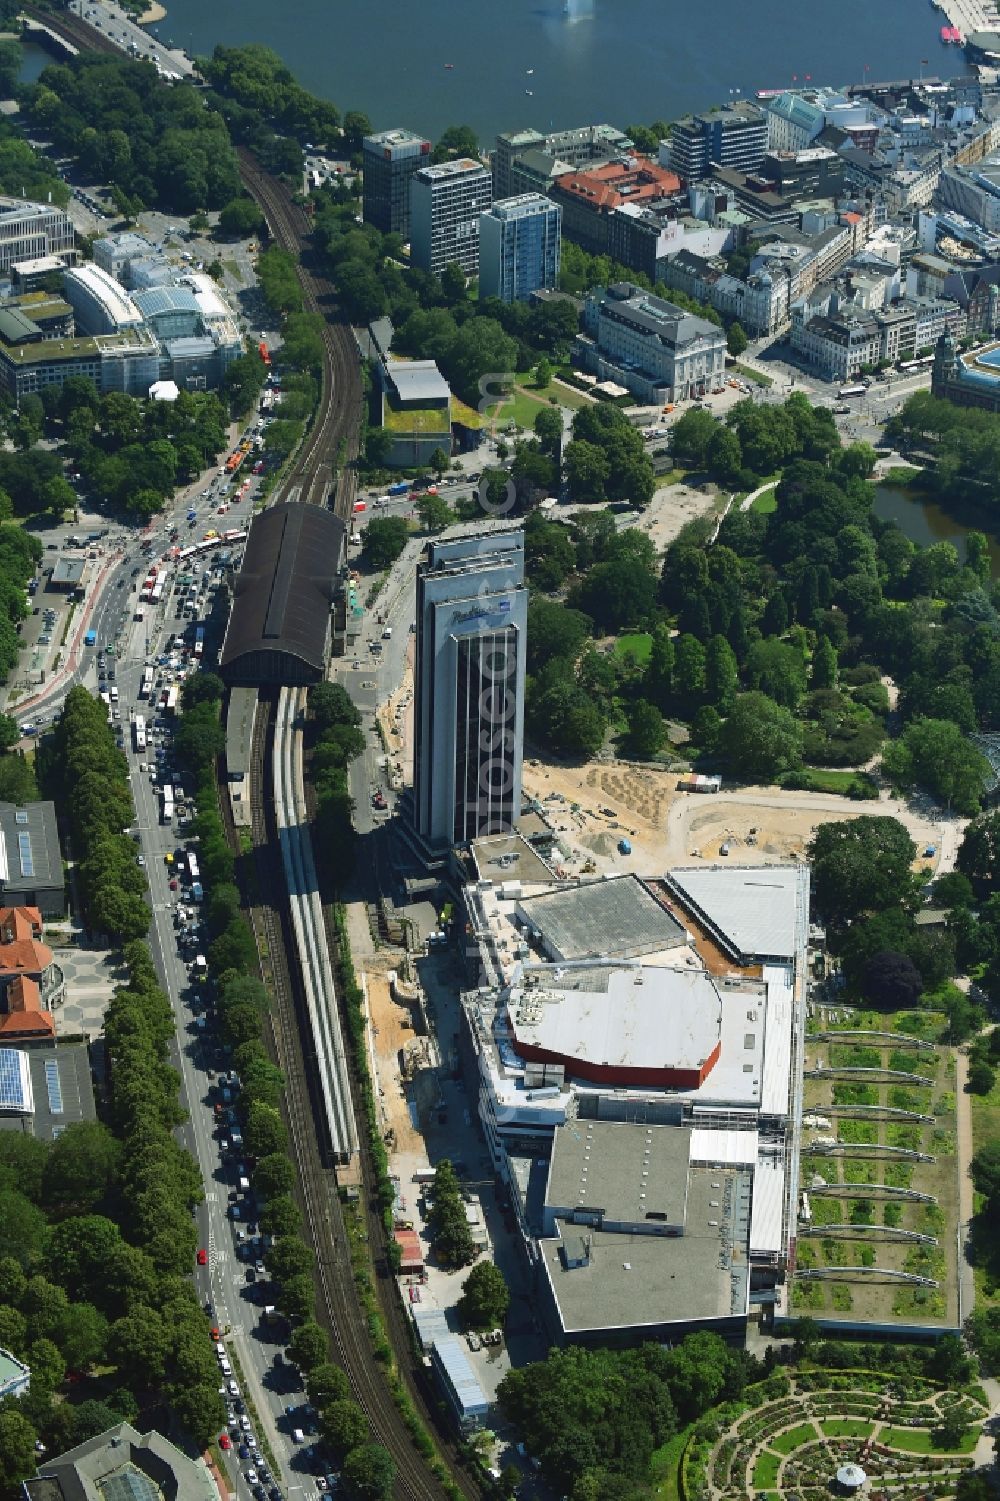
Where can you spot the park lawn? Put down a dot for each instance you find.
(757, 376)
(639, 643)
(766, 503)
(823, 779)
(765, 1471)
(794, 1438)
(846, 1427)
(919, 1441)
(665, 1465)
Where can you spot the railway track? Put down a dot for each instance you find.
(338, 1306)
(338, 420)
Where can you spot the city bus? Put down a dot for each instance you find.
(199, 641)
(264, 352)
(146, 688)
(167, 804)
(139, 732)
(846, 391)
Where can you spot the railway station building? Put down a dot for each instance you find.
(280, 622)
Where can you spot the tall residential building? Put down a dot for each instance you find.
(390, 159)
(472, 613)
(732, 137)
(445, 204)
(519, 243)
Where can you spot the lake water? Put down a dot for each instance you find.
(925, 523)
(615, 60)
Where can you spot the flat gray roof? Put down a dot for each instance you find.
(239, 730)
(754, 909)
(619, 918)
(417, 380)
(62, 1090)
(68, 570)
(636, 1281)
(509, 857)
(30, 856)
(631, 1172)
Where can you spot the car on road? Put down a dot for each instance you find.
(225, 1442)
(202, 1257)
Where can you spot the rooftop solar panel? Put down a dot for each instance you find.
(13, 1074)
(53, 1084)
(24, 851)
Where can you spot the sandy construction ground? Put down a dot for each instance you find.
(593, 807)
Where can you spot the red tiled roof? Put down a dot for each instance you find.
(19, 922)
(602, 186)
(26, 956)
(25, 1013)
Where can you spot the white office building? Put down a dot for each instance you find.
(445, 204)
(29, 231)
(654, 349)
(100, 304)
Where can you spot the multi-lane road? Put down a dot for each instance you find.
(237, 1303)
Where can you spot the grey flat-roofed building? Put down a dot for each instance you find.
(418, 380)
(239, 732)
(279, 625)
(755, 913)
(17, 328)
(469, 1404)
(601, 1288)
(31, 870)
(122, 1464)
(627, 1178)
(61, 1089)
(619, 919)
(67, 573)
(389, 160)
(472, 611)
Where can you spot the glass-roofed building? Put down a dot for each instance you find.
(122, 1464)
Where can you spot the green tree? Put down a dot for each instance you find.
(485, 1297)
(17, 1449)
(823, 670)
(647, 732)
(721, 674)
(308, 1346)
(777, 669)
(543, 374)
(24, 1232)
(273, 1175)
(587, 471)
(435, 513)
(240, 218)
(326, 1383)
(384, 540)
(344, 1427)
(82, 1166)
(736, 339)
(760, 739)
(934, 754)
(861, 865)
(554, 631)
(369, 1473)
